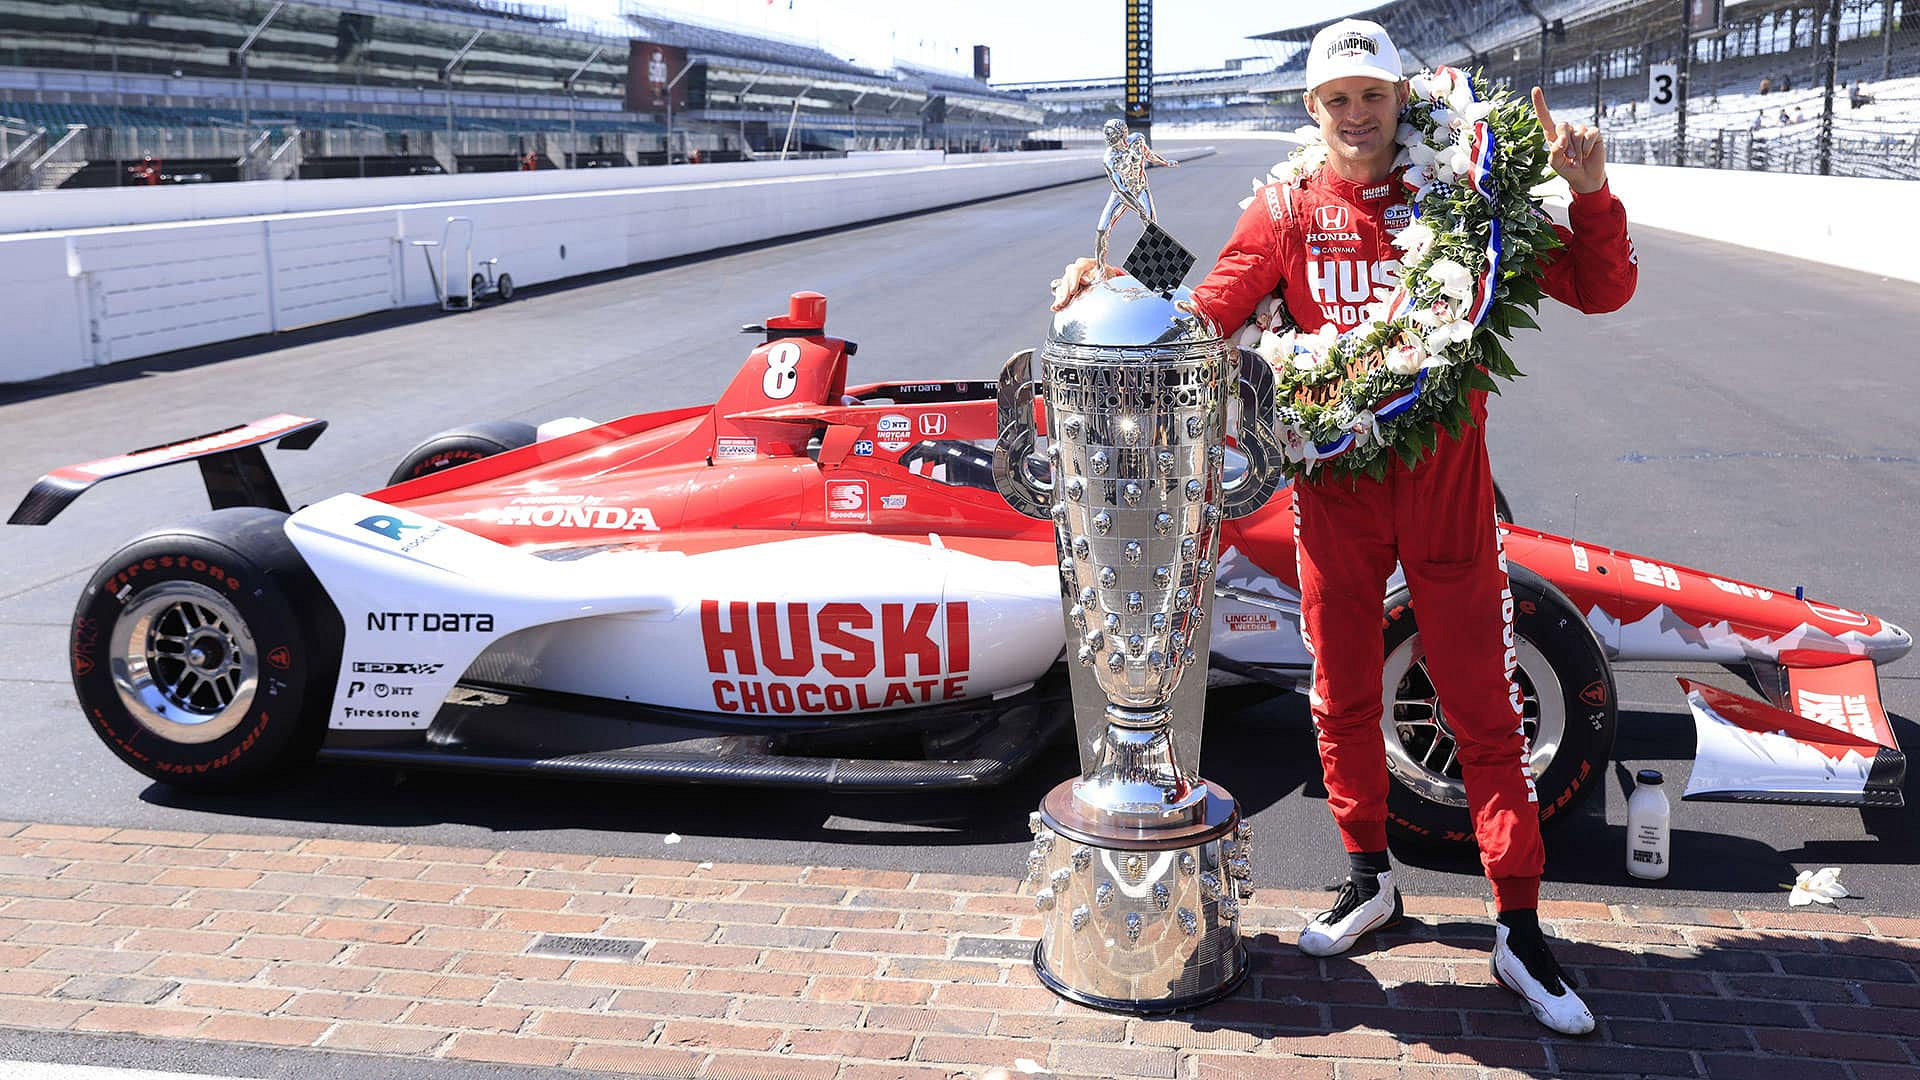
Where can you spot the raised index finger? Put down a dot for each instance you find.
(1540, 111)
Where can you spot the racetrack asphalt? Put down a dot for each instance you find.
(1747, 413)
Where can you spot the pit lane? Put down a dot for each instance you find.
(1747, 413)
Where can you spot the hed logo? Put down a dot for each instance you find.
(847, 501)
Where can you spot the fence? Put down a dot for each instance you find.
(1828, 86)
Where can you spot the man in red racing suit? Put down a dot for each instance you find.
(1325, 245)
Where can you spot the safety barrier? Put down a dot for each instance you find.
(84, 296)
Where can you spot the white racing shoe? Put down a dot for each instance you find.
(1540, 981)
(1334, 930)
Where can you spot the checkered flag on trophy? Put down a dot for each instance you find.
(1158, 261)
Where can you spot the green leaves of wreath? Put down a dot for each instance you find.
(1468, 279)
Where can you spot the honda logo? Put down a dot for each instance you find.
(933, 423)
(1332, 218)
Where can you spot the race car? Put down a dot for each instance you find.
(814, 584)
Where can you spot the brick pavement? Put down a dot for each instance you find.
(809, 972)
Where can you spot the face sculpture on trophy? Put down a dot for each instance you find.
(1138, 864)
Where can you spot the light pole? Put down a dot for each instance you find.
(240, 55)
(671, 83)
(446, 76)
(573, 139)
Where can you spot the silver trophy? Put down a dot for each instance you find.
(1138, 865)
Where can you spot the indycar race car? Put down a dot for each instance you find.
(808, 583)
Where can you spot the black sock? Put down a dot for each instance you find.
(1364, 869)
(1529, 945)
(1522, 921)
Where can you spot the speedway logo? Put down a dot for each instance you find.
(847, 502)
(835, 651)
(394, 667)
(628, 519)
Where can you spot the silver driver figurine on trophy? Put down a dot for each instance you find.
(1138, 865)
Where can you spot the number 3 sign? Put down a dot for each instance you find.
(1663, 88)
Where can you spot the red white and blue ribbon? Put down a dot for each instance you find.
(1480, 150)
(1489, 278)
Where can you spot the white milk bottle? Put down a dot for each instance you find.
(1648, 836)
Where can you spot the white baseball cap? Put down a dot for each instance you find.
(1352, 47)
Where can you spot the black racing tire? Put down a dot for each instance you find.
(461, 445)
(1501, 511)
(503, 287)
(1570, 713)
(205, 654)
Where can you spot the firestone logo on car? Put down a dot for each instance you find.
(823, 656)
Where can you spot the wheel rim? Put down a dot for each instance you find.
(184, 663)
(1421, 752)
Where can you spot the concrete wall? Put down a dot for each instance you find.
(243, 259)
(1864, 225)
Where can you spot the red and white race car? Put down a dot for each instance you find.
(809, 583)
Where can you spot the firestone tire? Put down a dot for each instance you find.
(462, 445)
(204, 655)
(1569, 711)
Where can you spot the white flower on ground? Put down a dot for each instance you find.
(1454, 279)
(1822, 887)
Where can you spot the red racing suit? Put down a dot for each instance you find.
(1325, 253)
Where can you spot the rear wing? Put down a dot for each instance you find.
(231, 463)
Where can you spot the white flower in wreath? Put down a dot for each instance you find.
(1407, 135)
(1272, 347)
(1415, 239)
(1406, 355)
(1365, 428)
(1477, 112)
(1248, 337)
(1415, 177)
(1296, 445)
(1455, 280)
(1447, 334)
(1421, 86)
(1442, 118)
(1443, 171)
(1420, 154)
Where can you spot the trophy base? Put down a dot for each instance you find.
(1142, 923)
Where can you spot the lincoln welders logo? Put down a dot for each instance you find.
(1352, 43)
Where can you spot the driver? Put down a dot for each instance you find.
(1324, 245)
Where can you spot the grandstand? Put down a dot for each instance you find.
(252, 89)
(1764, 60)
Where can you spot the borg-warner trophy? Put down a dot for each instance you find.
(1138, 865)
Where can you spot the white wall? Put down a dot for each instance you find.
(1864, 225)
(234, 267)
